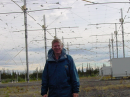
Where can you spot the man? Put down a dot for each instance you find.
(60, 77)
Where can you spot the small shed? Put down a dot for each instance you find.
(120, 67)
(105, 70)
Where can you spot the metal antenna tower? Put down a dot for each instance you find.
(115, 32)
(44, 27)
(26, 38)
(122, 21)
(112, 40)
(110, 50)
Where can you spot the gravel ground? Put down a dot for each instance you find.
(111, 88)
(88, 88)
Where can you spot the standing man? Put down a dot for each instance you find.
(60, 77)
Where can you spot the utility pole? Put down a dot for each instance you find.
(110, 51)
(112, 46)
(44, 27)
(24, 8)
(122, 20)
(68, 48)
(26, 38)
(63, 41)
(55, 33)
(25, 75)
(0, 76)
(45, 39)
(17, 76)
(82, 70)
(115, 32)
(37, 73)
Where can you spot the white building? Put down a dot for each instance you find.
(121, 67)
(105, 70)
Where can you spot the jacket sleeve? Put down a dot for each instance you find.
(74, 76)
(44, 87)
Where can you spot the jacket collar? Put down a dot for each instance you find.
(51, 56)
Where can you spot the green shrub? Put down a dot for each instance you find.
(6, 80)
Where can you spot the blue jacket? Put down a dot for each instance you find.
(60, 77)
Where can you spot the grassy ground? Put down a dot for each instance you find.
(90, 87)
(112, 88)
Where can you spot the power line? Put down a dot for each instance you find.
(50, 9)
(63, 27)
(35, 10)
(106, 3)
(107, 23)
(105, 35)
(46, 29)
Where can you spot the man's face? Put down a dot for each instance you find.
(57, 47)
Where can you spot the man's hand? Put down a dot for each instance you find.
(45, 95)
(75, 95)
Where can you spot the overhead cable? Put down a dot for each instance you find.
(35, 10)
(106, 3)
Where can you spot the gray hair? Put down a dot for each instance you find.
(56, 40)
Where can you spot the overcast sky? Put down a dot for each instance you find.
(84, 27)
